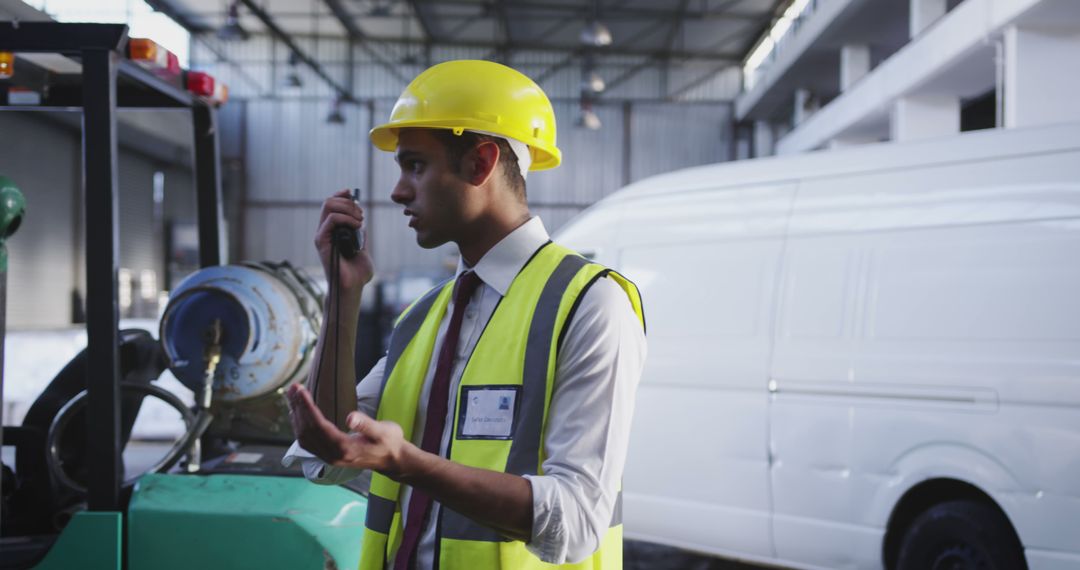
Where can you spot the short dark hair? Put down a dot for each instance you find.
(458, 145)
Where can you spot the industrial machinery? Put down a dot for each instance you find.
(236, 335)
(261, 320)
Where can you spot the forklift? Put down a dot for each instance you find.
(236, 335)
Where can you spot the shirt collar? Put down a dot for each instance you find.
(501, 264)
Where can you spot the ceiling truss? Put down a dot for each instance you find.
(661, 39)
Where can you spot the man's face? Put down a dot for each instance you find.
(432, 193)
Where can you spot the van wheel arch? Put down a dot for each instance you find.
(921, 498)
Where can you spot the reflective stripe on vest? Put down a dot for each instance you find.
(517, 350)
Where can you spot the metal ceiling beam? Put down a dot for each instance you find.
(344, 18)
(566, 61)
(542, 46)
(554, 68)
(610, 12)
(569, 59)
(166, 7)
(630, 73)
(360, 38)
(676, 27)
(674, 95)
(275, 29)
(504, 22)
(657, 58)
(632, 13)
(616, 50)
(735, 37)
(422, 17)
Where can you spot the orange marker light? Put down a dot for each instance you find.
(7, 64)
(143, 50)
(150, 55)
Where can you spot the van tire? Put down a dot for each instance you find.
(961, 535)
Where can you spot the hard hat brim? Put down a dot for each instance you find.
(385, 138)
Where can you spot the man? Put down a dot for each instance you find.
(496, 426)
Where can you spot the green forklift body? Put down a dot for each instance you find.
(243, 522)
(90, 541)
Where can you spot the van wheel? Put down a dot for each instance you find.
(961, 535)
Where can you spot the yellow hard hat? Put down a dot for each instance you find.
(474, 95)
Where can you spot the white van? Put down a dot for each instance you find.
(860, 358)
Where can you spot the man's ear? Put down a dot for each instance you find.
(480, 163)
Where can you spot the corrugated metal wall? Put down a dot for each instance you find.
(666, 137)
(294, 159)
(41, 256)
(47, 255)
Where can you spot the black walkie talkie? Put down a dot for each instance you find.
(348, 241)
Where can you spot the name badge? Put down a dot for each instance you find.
(487, 412)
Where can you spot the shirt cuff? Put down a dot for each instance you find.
(315, 470)
(548, 541)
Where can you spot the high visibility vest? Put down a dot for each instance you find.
(516, 356)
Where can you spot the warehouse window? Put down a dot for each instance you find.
(140, 17)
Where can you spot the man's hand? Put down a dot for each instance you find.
(370, 444)
(499, 500)
(340, 210)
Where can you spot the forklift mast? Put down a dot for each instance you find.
(109, 81)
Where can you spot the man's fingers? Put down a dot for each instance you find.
(313, 430)
(303, 403)
(342, 203)
(326, 228)
(362, 423)
(298, 414)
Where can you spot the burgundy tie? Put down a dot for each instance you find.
(420, 502)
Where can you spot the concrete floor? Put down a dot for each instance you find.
(646, 556)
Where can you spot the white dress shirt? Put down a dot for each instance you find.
(597, 373)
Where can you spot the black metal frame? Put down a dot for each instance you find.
(108, 82)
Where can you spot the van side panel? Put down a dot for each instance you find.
(929, 327)
(707, 265)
